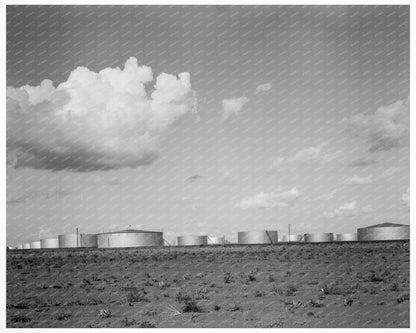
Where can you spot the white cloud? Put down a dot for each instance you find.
(277, 198)
(263, 88)
(328, 196)
(93, 121)
(311, 154)
(356, 180)
(349, 209)
(386, 129)
(233, 106)
(406, 198)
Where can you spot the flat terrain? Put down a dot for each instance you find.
(282, 285)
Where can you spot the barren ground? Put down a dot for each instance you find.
(282, 285)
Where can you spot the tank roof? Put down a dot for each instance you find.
(387, 225)
(129, 231)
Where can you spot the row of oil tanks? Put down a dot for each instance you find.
(135, 238)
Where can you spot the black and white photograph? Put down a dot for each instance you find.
(207, 165)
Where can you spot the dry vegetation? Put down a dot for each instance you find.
(295, 285)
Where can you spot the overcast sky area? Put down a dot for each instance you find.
(206, 119)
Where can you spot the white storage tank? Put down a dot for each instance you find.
(292, 238)
(35, 245)
(80, 240)
(257, 237)
(20, 247)
(318, 238)
(49, 243)
(347, 237)
(216, 240)
(192, 240)
(384, 231)
(26, 246)
(129, 238)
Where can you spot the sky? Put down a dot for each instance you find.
(206, 119)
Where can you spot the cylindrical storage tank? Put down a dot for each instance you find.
(257, 237)
(216, 240)
(384, 231)
(49, 243)
(20, 247)
(130, 238)
(69, 241)
(192, 240)
(350, 237)
(26, 245)
(35, 245)
(89, 240)
(318, 238)
(292, 238)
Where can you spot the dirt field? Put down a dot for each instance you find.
(282, 285)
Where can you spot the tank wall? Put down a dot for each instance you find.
(69, 241)
(35, 245)
(346, 237)
(216, 240)
(257, 237)
(292, 238)
(20, 247)
(192, 240)
(89, 240)
(317, 238)
(26, 245)
(130, 239)
(49, 243)
(387, 233)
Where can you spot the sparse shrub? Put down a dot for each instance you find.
(291, 290)
(394, 287)
(271, 278)
(146, 324)
(152, 312)
(235, 307)
(316, 304)
(63, 316)
(104, 313)
(251, 278)
(20, 319)
(181, 297)
(228, 278)
(191, 306)
(258, 293)
(217, 307)
(136, 296)
(403, 297)
(201, 293)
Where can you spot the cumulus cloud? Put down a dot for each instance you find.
(328, 196)
(406, 198)
(277, 198)
(94, 121)
(349, 209)
(311, 154)
(357, 180)
(263, 88)
(386, 129)
(233, 106)
(363, 162)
